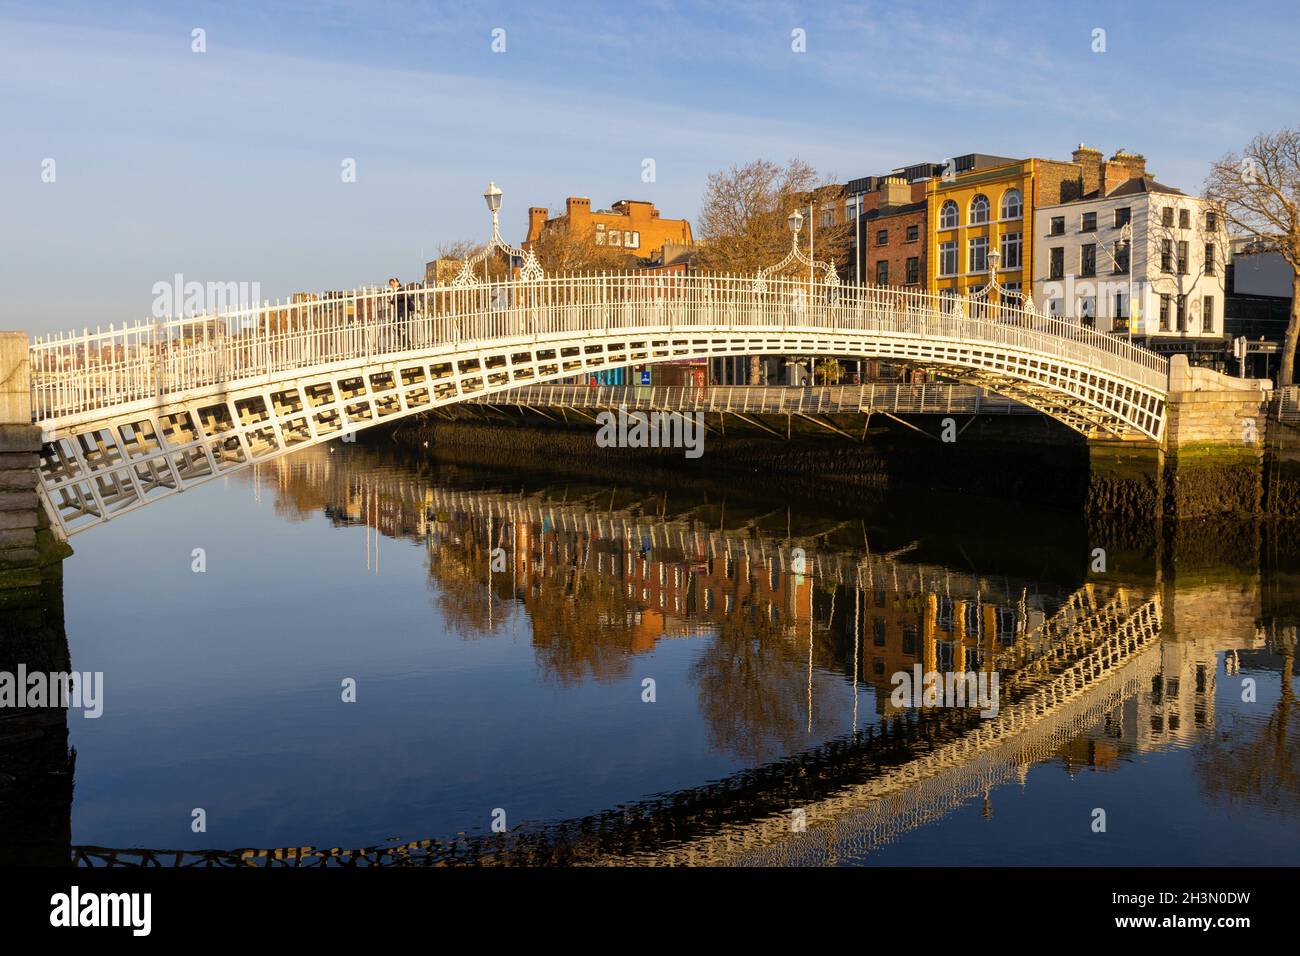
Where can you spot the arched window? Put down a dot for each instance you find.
(948, 215)
(1013, 206)
(979, 210)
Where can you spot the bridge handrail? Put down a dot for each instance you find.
(75, 372)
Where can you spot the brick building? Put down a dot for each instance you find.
(631, 225)
(892, 233)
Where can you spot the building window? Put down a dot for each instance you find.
(979, 210)
(600, 233)
(948, 258)
(1058, 226)
(1121, 306)
(828, 218)
(882, 237)
(1209, 259)
(948, 215)
(913, 270)
(1166, 255)
(1011, 293)
(979, 254)
(850, 210)
(1123, 216)
(1211, 222)
(913, 233)
(1167, 217)
(1121, 255)
(1207, 313)
(615, 237)
(1088, 310)
(1164, 311)
(633, 240)
(1181, 313)
(1089, 223)
(1012, 243)
(1057, 270)
(1088, 259)
(1182, 258)
(1184, 218)
(1013, 204)
(882, 272)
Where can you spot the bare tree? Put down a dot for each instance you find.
(742, 224)
(452, 255)
(561, 249)
(1258, 192)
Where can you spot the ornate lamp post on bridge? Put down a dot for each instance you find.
(995, 285)
(829, 275)
(530, 269)
(796, 255)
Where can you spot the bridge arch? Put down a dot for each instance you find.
(131, 415)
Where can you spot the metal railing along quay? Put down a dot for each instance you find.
(931, 398)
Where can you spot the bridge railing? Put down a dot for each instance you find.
(75, 373)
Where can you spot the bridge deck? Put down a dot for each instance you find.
(137, 413)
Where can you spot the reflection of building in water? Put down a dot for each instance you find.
(1180, 704)
(665, 591)
(1176, 707)
(942, 633)
(669, 577)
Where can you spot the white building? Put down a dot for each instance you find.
(1141, 243)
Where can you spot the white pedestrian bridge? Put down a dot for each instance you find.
(134, 413)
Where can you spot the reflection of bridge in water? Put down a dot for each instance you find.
(1065, 664)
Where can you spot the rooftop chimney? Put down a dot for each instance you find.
(537, 216)
(894, 191)
(1089, 160)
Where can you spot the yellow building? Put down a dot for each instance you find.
(975, 213)
(990, 208)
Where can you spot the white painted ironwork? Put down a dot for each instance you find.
(983, 296)
(138, 412)
(530, 269)
(829, 276)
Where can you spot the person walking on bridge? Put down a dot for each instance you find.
(399, 311)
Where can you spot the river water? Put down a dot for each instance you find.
(362, 649)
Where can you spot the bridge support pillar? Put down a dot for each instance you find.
(1215, 433)
(1125, 505)
(30, 553)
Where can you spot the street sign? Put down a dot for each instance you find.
(645, 377)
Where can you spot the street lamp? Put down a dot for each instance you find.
(796, 223)
(530, 269)
(492, 196)
(1126, 243)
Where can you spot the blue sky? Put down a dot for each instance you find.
(225, 166)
